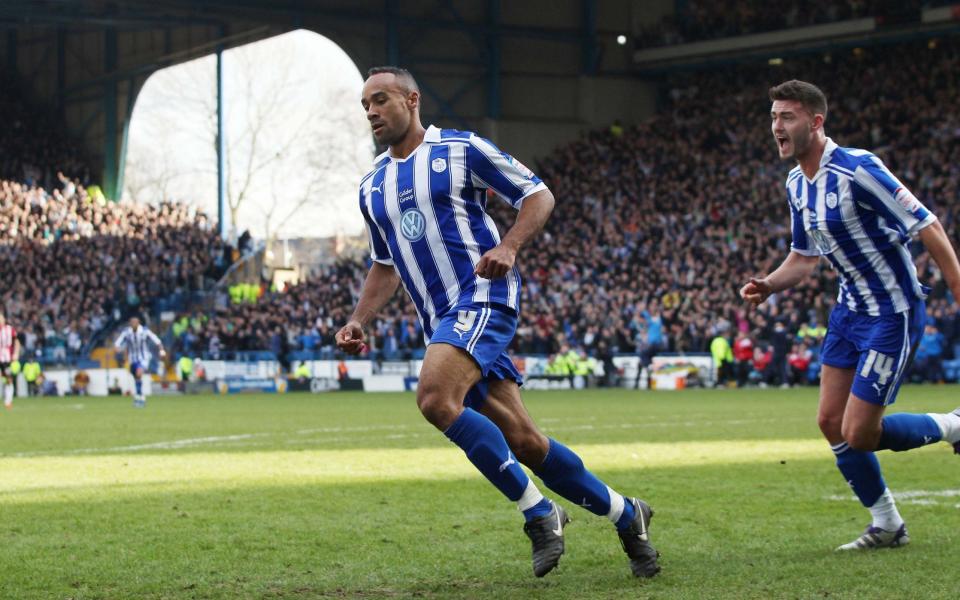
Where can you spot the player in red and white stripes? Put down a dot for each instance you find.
(9, 352)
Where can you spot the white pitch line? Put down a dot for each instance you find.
(667, 424)
(167, 445)
(360, 428)
(399, 429)
(172, 445)
(189, 442)
(914, 497)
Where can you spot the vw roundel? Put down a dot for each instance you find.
(413, 224)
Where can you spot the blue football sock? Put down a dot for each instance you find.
(563, 472)
(862, 472)
(906, 431)
(487, 449)
(138, 385)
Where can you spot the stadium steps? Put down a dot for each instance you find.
(106, 356)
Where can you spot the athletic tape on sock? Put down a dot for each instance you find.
(616, 505)
(530, 498)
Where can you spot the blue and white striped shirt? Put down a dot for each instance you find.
(137, 344)
(426, 216)
(856, 214)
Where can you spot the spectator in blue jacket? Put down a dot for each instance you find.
(928, 362)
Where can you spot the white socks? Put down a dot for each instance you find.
(8, 394)
(949, 424)
(885, 513)
(616, 506)
(530, 498)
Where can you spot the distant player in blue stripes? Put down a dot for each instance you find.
(848, 208)
(425, 208)
(136, 341)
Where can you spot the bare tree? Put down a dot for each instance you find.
(324, 157)
(292, 145)
(182, 111)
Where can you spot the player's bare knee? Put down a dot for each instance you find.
(530, 447)
(859, 438)
(437, 406)
(831, 426)
(862, 442)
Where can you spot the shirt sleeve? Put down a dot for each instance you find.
(800, 240)
(379, 251)
(153, 338)
(118, 344)
(498, 171)
(888, 196)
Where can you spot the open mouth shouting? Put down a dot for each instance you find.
(784, 144)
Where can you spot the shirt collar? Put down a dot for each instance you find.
(431, 136)
(827, 152)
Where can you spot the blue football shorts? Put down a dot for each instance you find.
(134, 365)
(879, 348)
(484, 331)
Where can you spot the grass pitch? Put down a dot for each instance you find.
(354, 495)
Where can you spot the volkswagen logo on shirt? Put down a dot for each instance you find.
(413, 224)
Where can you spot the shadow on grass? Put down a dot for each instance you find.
(736, 531)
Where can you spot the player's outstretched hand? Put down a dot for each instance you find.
(350, 338)
(496, 262)
(756, 291)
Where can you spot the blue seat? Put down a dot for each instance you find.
(813, 372)
(951, 370)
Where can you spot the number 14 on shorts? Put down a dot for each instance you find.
(881, 364)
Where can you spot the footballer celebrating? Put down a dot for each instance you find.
(425, 208)
(848, 208)
(135, 341)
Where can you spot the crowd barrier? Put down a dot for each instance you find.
(229, 377)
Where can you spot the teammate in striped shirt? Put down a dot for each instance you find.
(9, 352)
(136, 341)
(425, 208)
(848, 208)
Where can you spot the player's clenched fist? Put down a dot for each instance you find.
(495, 263)
(350, 338)
(756, 291)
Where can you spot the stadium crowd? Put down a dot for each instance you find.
(658, 225)
(701, 20)
(304, 317)
(33, 147)
(76, 263)
(72, 260)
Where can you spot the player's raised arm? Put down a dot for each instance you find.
(791, 272)
(380, 285)
(154, 338)
(516, 184)
(937, 243)
(158, 342)
(121, 340)
(533, 215)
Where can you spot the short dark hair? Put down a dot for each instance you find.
(400, 73)
(807, 94)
